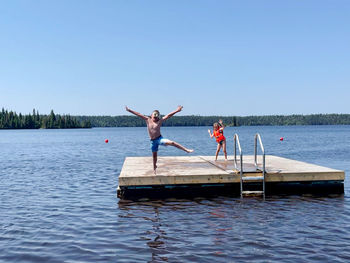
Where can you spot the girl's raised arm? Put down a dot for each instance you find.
(211, 135)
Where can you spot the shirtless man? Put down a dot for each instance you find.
(153, 126)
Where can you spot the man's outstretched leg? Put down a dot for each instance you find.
(177, 145)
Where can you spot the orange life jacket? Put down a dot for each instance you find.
(219, 135)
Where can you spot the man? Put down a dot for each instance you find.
(154, 122)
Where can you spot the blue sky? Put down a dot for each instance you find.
(213, 57)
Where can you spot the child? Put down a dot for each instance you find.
(153, 126)
(218, 133)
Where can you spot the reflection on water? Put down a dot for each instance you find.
(250, 229)
(59, 204)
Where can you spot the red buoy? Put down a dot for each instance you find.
(106, 141)
(281, 139)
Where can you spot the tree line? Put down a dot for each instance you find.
(12, 120)
(195, 120)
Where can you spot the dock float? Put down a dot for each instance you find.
(184, 176)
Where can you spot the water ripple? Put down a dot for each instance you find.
(59, 204)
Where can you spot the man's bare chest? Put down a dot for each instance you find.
(154, 125)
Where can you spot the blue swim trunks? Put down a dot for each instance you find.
(156, 142)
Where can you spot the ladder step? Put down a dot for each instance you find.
(252, 178)
(252, 192)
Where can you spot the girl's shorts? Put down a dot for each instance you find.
(220, 142)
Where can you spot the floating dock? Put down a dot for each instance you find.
(183, 176)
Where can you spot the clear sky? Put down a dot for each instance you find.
(254, 57)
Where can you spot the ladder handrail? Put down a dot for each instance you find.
(257, 136)
(235, 143)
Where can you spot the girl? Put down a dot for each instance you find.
(218, 133)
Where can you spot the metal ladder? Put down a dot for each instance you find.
(260, 178)
(251, 179)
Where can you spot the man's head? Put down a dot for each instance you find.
(155, 115)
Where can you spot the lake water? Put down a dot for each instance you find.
(58, 201)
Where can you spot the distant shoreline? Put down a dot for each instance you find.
(12, 120)
(195, 120)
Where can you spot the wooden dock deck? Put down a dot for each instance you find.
(178, 175)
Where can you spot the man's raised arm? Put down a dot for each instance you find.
(179, 108)
(136, 113)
